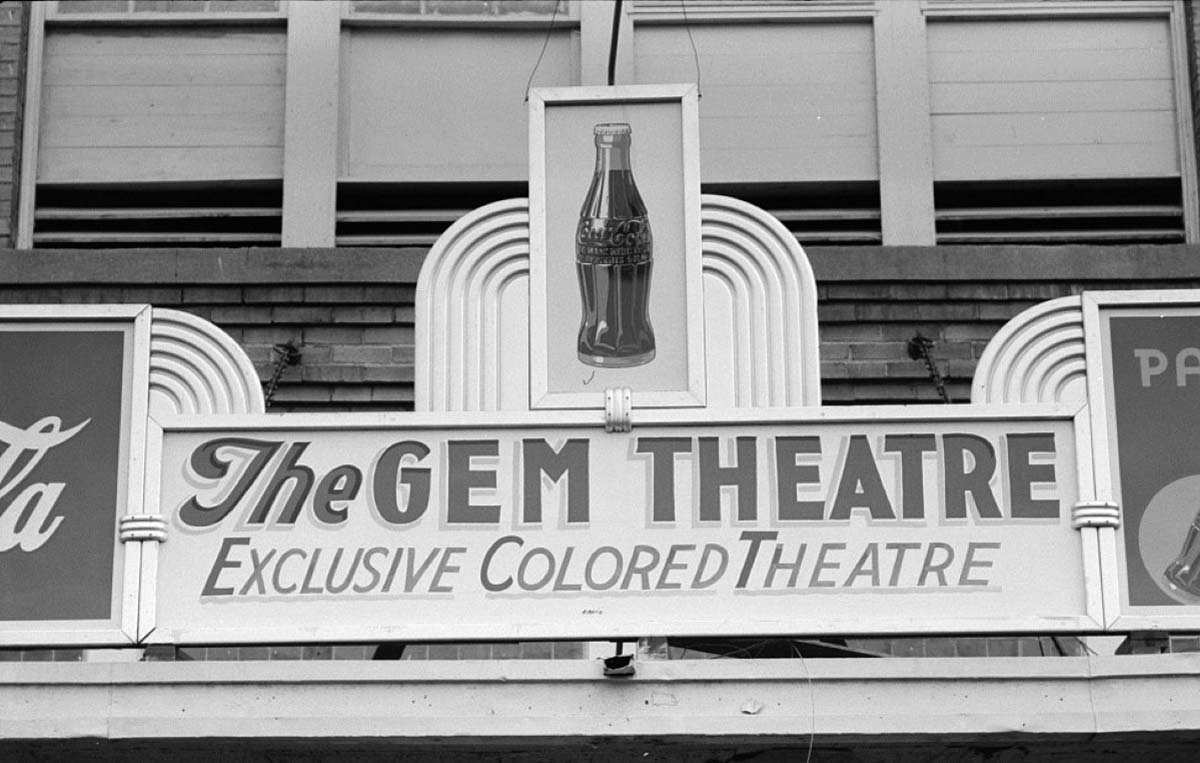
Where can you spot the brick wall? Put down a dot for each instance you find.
(351, 311)
(12, 82)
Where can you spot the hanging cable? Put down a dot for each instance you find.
(545, 42)
(612, 44)
(695, 56)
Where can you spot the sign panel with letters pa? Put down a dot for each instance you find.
(1151, 382)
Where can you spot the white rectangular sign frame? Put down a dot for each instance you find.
(1098, 309)
(332, 627)
(687, 388)
(121, 629)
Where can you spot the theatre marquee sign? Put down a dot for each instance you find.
(549, 527)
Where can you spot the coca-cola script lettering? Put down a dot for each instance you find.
(613, 242)
(27, 520)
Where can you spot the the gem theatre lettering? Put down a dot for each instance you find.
(745, 501)
(27, 518)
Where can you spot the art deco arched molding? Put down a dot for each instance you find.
(196, 367)
(473, 306)
(1037, 357)
(461, 339)
(757, 262)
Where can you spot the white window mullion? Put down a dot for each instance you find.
(905, 137)
(310, 133)
(26, 192)
(1185, 128)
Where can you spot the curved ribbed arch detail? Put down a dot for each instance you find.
(171, 360)
(511, 273)
(459, 336)
(719, 275)
(1037, 357)
(779, 284)
(473, 306)
(196, 367)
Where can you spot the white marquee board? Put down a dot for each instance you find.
(520, 526)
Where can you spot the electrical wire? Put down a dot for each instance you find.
(545, 43)
(812, 703)
(695, 56)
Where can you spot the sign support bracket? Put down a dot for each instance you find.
(143, 527)
(618, 405)
(1095, 514)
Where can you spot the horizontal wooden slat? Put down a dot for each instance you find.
(87, 165)
(153, 213)
(118, 42)
(804, 215)
(758, 66)
(166, 237)
(196, 100)
(1052, 162)
(851, 98)
(1049, 65)
(1019, 35)
(1051, 97)
(837, 237)
(1143, 128)
(135, 68)
(787, 164)
(1036, 213)
(387, 240)
(162, 130)
(1094, 236)
(814, 129)
(400, 215)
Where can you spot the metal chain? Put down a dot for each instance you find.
(288, 355)
(918, 349)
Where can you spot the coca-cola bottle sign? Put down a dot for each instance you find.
(614, 258)
(615, 274)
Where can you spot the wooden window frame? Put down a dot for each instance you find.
(1185, 134)
(53, 16)
(902, 103)
(350, 17)
(718, 11)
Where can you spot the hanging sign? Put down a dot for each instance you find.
(548, 527)
(67, 468)
(614, 252)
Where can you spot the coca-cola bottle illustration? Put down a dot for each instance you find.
(613, 259)
(1183, 574)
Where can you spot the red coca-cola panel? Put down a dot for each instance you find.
(61, 423)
